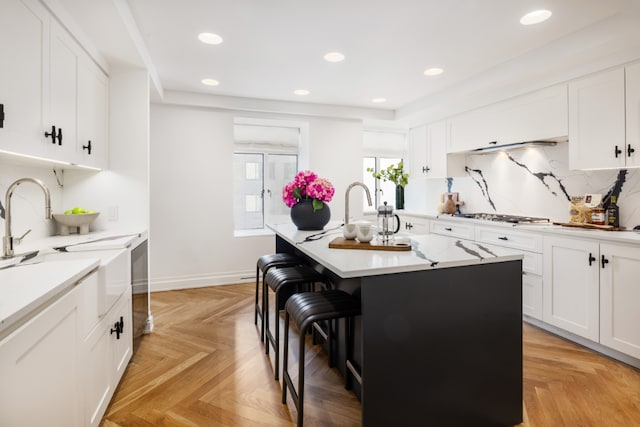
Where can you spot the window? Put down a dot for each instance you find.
(381, 149)
(265, 159)
(384, 191)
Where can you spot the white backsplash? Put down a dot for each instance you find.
(533, 181)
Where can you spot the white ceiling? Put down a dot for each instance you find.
(273, 47)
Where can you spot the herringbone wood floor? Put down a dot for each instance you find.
(205, 366)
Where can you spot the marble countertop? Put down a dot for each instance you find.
(26, 287)
(428, 252)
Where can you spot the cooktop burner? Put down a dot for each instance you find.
(515, 219)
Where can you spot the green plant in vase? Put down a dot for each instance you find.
(397, 175)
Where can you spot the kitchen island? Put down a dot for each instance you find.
(439, 341)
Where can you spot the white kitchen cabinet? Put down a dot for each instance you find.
(24, 84)
(105, 353)
(414, 224)
(452, 228)
(531, 246)
(39, 369)
(604, 120)
(619, 298)
(428, 153)
(49, 82)
(571, 285)
(93, 115)
(539, 115)
(632, 103)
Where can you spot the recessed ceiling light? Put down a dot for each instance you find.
(334, 57)
(379, 100)
(210, 38)
(301, 92)
(210, 82)
(535, 17)
(433, 71)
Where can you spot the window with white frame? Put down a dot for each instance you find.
(381, 149)
(265, 159)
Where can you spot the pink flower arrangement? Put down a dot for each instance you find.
(307, 185)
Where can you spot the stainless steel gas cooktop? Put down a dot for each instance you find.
(515, 219)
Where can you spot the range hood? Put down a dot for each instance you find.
(513, 146)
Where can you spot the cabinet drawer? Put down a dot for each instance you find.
(509, 238)
(453, 229)
(532, 263)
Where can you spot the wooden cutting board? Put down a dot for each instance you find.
(342, 243)
(590, 226)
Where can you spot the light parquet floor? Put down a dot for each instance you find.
(204, 365)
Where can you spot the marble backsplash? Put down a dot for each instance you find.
(532, 181)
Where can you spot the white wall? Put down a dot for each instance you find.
(191, 192)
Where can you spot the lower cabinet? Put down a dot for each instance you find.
(58, 370)
(591, 289)
(619, 298)
(40, 374)
(414, 224)
(105, 352)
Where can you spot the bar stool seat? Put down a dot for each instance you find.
(292, 279)
(264, 264)
(305, 309)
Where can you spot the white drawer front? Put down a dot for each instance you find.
(453, 229)
(509, 238)
(532, 263)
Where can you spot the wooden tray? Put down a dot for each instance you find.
(342, 243)
(590, 226)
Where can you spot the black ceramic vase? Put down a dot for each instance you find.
(305, 218)
(399, 197)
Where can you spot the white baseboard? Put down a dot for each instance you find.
(200, 281)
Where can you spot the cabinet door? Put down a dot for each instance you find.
(24, 29)
(122, 348)
(440, 164)
(632, 82)
(93, 107)
(64, 93)
(39, 369)
(97, 384)
(471, 130)
(597, 121)
(418, 166)
(532, 295)
(414, 225)
(619, 298)
(571, 286)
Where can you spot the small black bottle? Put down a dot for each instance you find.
(613, 213)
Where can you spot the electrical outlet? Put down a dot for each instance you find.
(112, 213)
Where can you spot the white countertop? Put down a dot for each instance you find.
(26, 287)
(428, 252)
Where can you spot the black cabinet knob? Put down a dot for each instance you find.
(87, 147)
(617, 151)
(630, 150)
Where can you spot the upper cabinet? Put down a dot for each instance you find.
(428, 149)
(604, 120)
(24, 31)
(55, 97)
(540, 115)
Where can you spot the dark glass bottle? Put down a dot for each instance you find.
(613, 213)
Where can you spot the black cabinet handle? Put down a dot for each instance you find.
(118, 328)
(51, 134)
(1, 116)
(604, 261)
(447, 228)
(503, 238)
(630, 150)
(617, 151)
(591, 258)
(54, 136)
(87, 147)
(425, 169)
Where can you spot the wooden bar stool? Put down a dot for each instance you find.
(306, 308)
(264, 264)
(285, 280)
